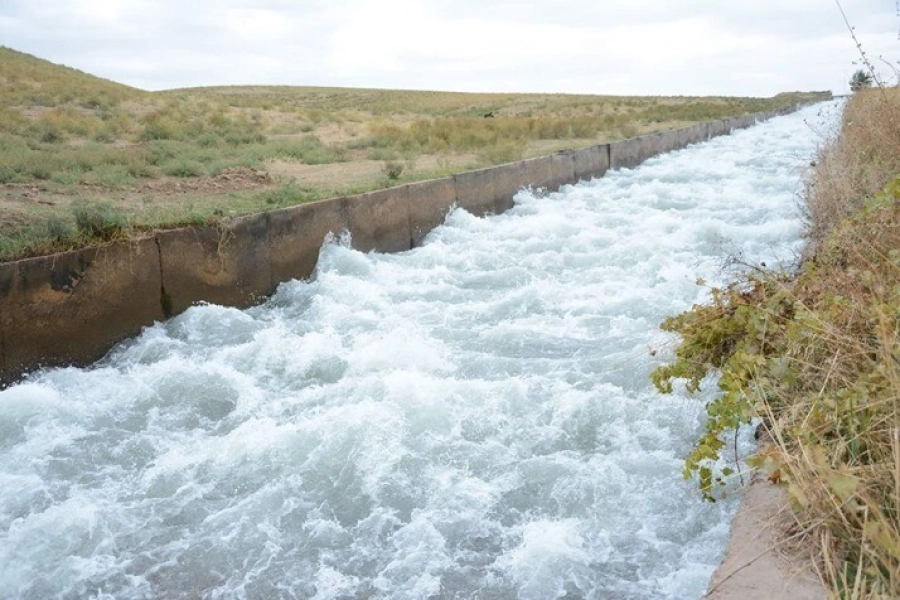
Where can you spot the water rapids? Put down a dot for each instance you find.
(468, 419)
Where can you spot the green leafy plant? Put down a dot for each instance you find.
(733, 335)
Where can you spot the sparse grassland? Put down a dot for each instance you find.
(194, 155)
(816, 354)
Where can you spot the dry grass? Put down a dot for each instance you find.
(835, 410)
(859, 162)
(66, 134)
(816, 354)
(836, 420)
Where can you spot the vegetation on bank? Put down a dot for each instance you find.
(72, 142)
(815, 354)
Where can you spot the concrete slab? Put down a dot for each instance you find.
(72, 307)
(753, 567)
(429, 203)
(296, 235)
(538, 172)
(476, 191)
(379, 220)
(562, 165)
(508, 180)
(224, 264)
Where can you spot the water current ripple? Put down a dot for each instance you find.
(469, 419)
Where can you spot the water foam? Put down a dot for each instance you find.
(469, 419)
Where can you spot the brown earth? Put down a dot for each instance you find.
(21, 202)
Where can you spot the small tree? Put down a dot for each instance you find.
(860, 80)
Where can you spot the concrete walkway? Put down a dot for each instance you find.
(753, 567)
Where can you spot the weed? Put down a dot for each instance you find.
(382, 154)
(111, 176)
(104, 136)
(857, 163)
(817, 355)
(183, 167)
(500, 153)
(288, 194)
(7, 174)
(99, 220)
(392, 170)
(58, 229)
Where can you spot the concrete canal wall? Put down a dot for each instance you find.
(71, 308)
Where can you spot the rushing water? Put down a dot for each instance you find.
(469, 419)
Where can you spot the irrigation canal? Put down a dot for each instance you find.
(469, 419)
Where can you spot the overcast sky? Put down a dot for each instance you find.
(659, 47)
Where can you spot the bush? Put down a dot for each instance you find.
(7, 174)
(241, 138)
(58, 229)
(157, 129)
(183, 167)
(500, 153)
(209, 140)
(288, 194)
(392, 169)
(105, 136)
(382, 154)
(51, 135)
(99, 220)
(111, 176)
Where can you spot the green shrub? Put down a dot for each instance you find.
(66, 178)
(241, 138)
(104, 136)
(111, 176)
(289, 194)
(500, 153)
(382, 154)
(8, 174)
(157, 129)
(99, 220)
(58, 229)
(52, 135)
(392, 169)
(183, 167)
(36, 168)
(209, 140)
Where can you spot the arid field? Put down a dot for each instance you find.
(83, 158)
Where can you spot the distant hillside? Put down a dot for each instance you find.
(74, 145)
(26, 80)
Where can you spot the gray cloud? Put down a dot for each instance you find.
(639, 47)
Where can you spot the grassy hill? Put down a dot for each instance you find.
(73, 144)
(28, 81)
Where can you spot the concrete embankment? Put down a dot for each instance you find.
(71, 308)
(754, 565)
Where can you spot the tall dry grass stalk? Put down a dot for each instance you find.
(836, 422)
(835, 418)
(858, 163)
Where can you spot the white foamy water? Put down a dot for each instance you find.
(469, 419)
